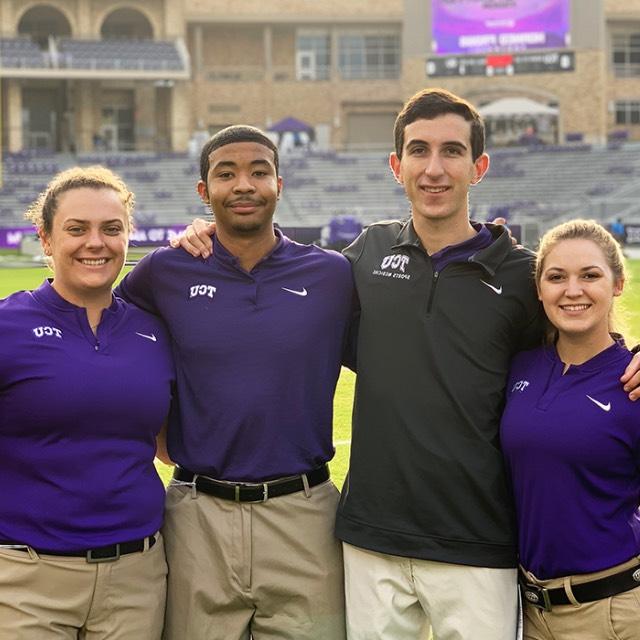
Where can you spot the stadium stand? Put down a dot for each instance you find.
(108, 55)
(524, 184)
(22, 53)
(147, 55)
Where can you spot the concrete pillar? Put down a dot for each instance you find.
(197, 60)
(8, 26)
(86, 28)
(338, 136)
(13, 117)
(335, 55)
(174, 22)
(84, 121)
(163, 116)
(267, 39)
(145, 117)
(181, 125)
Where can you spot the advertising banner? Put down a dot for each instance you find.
(481, 26)
(10, 238)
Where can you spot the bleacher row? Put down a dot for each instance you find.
(67, 53)
(543, 184)
(22, 53)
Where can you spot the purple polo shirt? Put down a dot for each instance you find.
(79, 415)
(463, 250)
(572, 446)
(257, 355)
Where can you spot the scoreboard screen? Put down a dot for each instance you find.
(485, 26)
(502, 64)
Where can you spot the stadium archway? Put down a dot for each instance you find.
(125, 110)
(44, 20)
(46, 114)
(126, 24)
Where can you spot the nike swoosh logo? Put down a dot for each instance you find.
(604, 407)
(301, 292)
(151, 336)
(497, 290)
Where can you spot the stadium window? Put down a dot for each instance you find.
(313, 56)
(369, 56)
(625, 54)
(627, 112)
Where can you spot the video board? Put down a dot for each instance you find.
(483, 26)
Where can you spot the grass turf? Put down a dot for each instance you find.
(15, 279)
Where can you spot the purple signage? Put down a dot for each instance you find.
(142, 236)
(11, 237)
(158, 235)
(482, 26)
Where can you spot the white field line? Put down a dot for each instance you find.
(341, 443)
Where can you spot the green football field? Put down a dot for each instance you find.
(15, 279)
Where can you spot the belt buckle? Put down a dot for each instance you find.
(92, 560)
(537, 596)
(265, 492)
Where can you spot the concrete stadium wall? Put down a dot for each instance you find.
(243, 58)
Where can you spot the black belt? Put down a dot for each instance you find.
(252, 491)
(110, 553)
(591, 591)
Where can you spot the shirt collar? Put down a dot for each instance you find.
(48, 296)
(489, 257)
(603, 360)
(222, 253)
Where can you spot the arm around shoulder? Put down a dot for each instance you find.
(137, 286)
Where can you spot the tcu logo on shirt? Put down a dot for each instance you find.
(40, 332)
(396, 261)
(393, 267)
(520, 386)
(201, 290)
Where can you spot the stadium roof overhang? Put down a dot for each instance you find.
(94, 74)
(514, 107)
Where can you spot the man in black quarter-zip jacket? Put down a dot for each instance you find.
(425, 514)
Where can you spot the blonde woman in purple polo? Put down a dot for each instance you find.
(571, 438)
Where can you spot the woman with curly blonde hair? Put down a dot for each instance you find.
(85, 384)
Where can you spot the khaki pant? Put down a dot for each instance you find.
(615, 618)
(394, 598)
(59, 598)
(271, 569)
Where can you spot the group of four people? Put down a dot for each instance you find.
(430, 312)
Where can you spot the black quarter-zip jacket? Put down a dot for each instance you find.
(426, 477)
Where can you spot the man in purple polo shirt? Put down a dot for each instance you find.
(251, 510)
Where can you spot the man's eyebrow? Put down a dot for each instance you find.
(446, 143)
(454, 143)
(231, 163)
(415, 142)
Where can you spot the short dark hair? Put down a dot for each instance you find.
(229, 135)
(431, 103)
